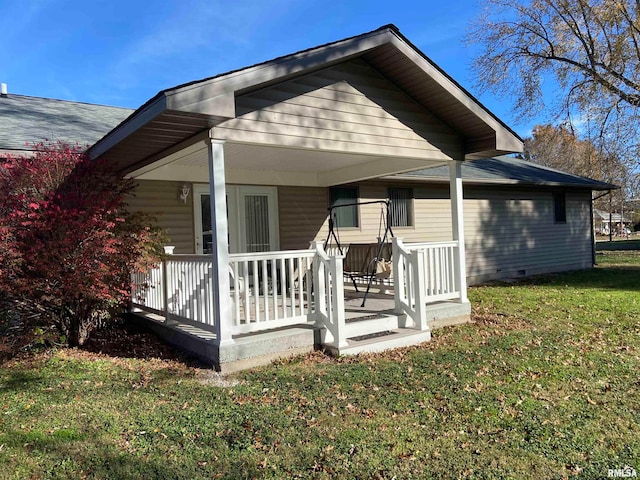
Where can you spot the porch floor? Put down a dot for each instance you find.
(439, 314)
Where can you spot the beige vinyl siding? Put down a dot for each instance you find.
(302, 213)
(347, 107)
(161, 199)
(510, 233)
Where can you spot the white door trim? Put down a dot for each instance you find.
(237, 215)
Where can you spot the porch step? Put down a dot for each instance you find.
(399, 337)
(371, 324)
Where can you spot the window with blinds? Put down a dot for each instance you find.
(401, 207)
(344, 216)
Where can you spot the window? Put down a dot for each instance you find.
(400, 208)
(560, 207)
(345, 216)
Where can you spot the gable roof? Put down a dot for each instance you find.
(508, 171)
(29, 120)
(181, 112)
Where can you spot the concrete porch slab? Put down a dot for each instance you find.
(246, 351)
(402, 337)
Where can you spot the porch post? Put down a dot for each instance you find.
(220, 254)
(457, 224)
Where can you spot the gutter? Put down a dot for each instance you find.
(593, 230)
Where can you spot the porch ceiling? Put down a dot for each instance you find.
(270, 165)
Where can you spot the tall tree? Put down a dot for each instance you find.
(559, 147)
(591, 48)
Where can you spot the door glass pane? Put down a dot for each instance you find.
(205, 208)
(257, 223)
(207, 236)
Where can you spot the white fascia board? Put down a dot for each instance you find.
(191, 146)
(505, 139)
(284, 67)
(199, 174)
(203, 102)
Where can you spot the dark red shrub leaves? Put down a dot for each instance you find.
(67, 243)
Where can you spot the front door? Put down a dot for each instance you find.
(252, 216)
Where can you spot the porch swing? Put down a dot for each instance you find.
(363, 261)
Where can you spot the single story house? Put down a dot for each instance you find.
(243, 166)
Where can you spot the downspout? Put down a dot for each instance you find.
(593, 235)
(610, 218)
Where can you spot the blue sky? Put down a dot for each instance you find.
(123, 52)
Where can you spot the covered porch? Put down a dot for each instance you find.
(241, 300)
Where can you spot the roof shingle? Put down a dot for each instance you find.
(27, 120)
(509, 170)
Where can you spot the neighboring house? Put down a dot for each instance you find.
(241, 168)
(602, 221)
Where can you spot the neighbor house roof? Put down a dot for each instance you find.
(508, 171)
(28, 120)
(604, 216)
(179, 113)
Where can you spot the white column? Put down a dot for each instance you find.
(457, 224)
(420, 272)
(399, 294)
(220, 240)
(337, 302)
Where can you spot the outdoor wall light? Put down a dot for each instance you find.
(184, 192)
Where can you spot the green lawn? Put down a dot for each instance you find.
(543, 385)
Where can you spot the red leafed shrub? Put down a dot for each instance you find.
(67, 243)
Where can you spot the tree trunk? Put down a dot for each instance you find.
(77, 331)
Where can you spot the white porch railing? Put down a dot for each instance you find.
(423, 273)
(187, 293)
(190, 288)
(276, 289)
(328, 297)
(147, 290)
(270, 289)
